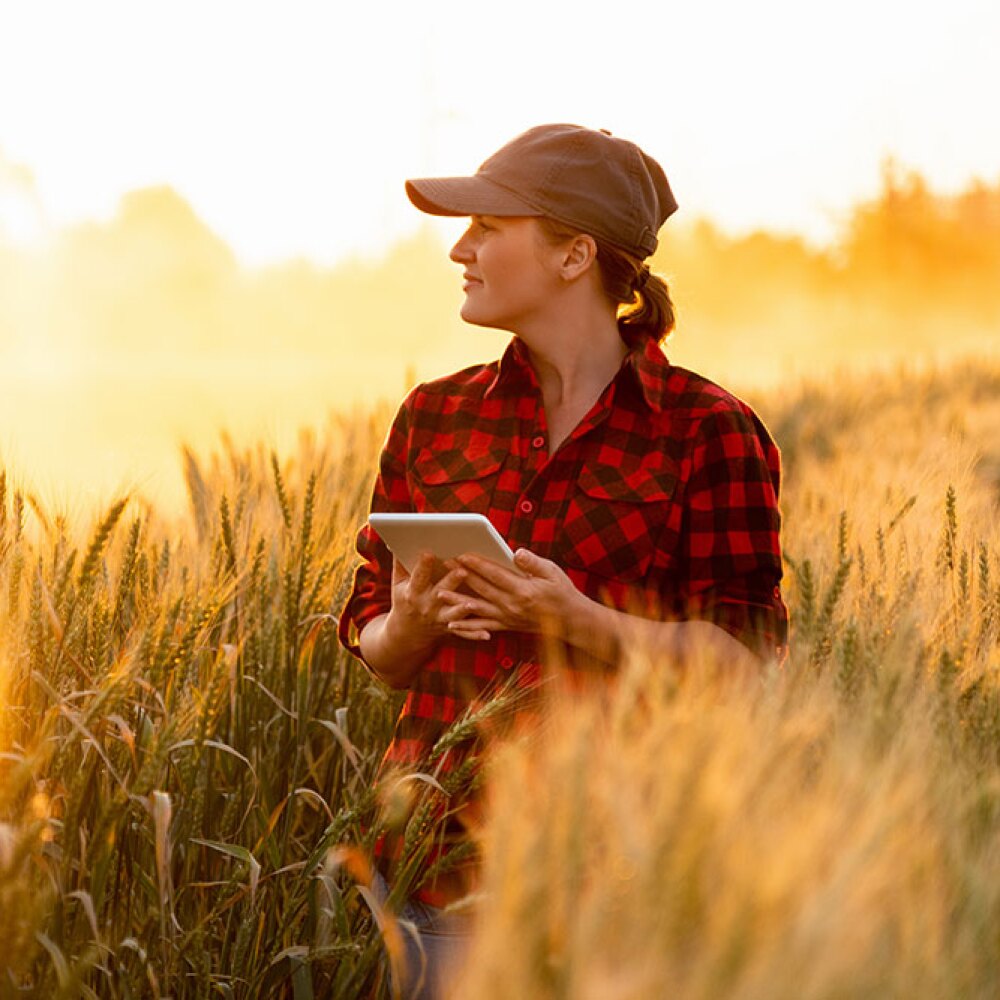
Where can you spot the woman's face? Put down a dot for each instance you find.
(511, 272)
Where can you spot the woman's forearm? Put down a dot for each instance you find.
(544, 599)
(394, 654)
(604, 632)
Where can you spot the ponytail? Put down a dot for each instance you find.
(645, 310)
(649, 312)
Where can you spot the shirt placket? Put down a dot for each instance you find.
(531, 449)
(537, 463)
(533, 454)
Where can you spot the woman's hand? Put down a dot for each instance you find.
(397, 644)
(420, 614)
(541, 598)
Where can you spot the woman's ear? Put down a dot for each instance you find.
(579, 256)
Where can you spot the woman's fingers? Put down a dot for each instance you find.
(464, 605)
(422, 576)
(476, 625)
(491, 571)
(476, 636)
(534, 565)
(454, 613)
(451, 580)
(451, 597)
(486, 589)
(468, 617)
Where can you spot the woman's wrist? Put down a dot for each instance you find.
(407, 637)
(593, 627)
(392, 651)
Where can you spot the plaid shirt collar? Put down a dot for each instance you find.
(645, 365)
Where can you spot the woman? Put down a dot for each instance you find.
(640, 498)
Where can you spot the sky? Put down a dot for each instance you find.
(290, 126)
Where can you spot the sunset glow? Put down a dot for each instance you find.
(623, 768)
(203, 224)
(290, 127)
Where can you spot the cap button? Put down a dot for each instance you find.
(605, 131)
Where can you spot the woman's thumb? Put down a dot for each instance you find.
(527, 561)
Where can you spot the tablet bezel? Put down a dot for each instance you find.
(447, 536)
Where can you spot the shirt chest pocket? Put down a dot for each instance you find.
(454, 480)
(615, 517)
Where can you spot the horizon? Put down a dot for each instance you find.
(126, 339)
(203, 222)
(290, 130)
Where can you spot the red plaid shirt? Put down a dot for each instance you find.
(662, 502)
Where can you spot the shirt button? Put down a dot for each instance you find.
(526, 506)
(538, 442)
(507, 662)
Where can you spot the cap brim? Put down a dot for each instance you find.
(475, 195)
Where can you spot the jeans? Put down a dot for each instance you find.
(435, 944)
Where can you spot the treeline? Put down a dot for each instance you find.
(912, 271)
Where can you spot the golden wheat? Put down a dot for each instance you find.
(186, 755)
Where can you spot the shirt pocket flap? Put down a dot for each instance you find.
(615, 518)
(633, 484)
(455, 466)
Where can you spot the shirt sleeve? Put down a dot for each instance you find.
(732, 549)
(371, 594)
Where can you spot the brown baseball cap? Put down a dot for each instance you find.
(586, 178)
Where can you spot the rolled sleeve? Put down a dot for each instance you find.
(732, 554)
(371, 594)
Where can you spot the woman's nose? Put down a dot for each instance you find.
(461, 252)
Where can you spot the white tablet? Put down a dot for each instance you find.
(445, 535)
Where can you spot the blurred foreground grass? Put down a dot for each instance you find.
(186, 755)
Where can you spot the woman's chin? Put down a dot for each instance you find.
(477, 317)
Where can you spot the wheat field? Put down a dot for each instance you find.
(187, 756)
